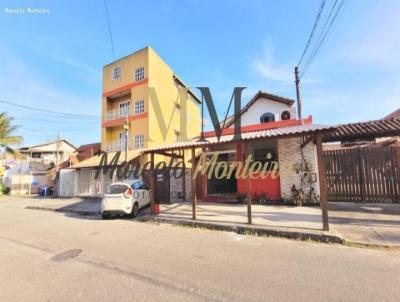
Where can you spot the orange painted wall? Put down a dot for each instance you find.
(270, 186)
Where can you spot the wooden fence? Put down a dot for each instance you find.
(363, 174)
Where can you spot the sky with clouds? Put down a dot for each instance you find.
(54, 61)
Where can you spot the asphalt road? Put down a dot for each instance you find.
(47, 256)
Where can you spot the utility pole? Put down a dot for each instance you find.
(126, 129)
(57, 149)
(297, 81)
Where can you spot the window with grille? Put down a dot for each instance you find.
(139, 74)
(116, 73)
(139, 107)
(139, 141)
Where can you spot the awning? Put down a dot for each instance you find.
(364, 130)
(95, 160)
(290, 131)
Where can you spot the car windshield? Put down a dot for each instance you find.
(116, 189)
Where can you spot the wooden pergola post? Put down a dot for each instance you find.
(194, 184)
(184, 177)
(152, 184)
(246, 152)
(322, 184)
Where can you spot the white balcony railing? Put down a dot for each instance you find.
(119, 145)
(117, 113)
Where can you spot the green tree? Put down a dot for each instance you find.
(7, 134)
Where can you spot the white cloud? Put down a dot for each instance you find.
(267, 66)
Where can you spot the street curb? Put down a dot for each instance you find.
(61, 210)
(251, 230)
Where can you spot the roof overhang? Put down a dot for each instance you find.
(364, 130)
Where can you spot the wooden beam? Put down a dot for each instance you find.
(322, 184)
(246, 152)
(168, 154)
(194, 185)
(152, 184)
(184, 177)
(307, 141)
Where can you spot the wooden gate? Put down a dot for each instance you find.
(363, 174)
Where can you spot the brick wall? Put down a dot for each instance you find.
(290, 157)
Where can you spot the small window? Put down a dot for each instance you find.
(139, 74)
(139, 141)
(267, 117)
(116, 73)
(139, 107)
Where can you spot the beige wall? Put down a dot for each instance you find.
(161, 88)
(289, 153)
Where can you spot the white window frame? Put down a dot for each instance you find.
(139, 107)
(125, 108)
(139, 141)
(139, 74)
(115, 76)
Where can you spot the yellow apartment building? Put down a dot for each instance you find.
(143, 91)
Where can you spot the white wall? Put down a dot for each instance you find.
(262, 105)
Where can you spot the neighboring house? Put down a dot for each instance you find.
(82, 153)
(27, 175)
(297, 163)
(394, 115)
(143, 90)
(52, 151)
(86, 151)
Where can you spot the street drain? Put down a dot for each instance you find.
(66, 255)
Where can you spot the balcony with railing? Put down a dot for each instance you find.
(119, 145)
(117, 114)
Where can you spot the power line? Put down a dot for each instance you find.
(321, 8)
(109, 28)
(332, 17)
(59, 120)
(50, 111)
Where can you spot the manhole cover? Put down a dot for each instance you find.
(66, 255)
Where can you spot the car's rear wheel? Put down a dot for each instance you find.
(105, 216)
(135, 210)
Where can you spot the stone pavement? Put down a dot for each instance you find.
(375, 224)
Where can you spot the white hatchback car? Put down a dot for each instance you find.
(126, 197)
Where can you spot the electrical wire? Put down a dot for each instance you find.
(109, 28)
(50, 111)
(321, 8)
(331, 19)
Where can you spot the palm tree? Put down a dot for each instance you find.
(7, 137)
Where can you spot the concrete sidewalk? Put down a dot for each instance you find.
(374, 224)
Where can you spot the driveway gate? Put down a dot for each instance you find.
(363, 174)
